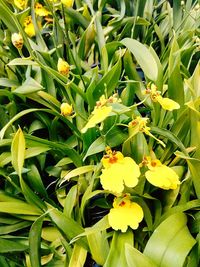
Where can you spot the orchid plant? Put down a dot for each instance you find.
(99, 147)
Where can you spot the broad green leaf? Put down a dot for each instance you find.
(97, 146)
(18, 151)
(175, 83)
(170, 136)
(6, 229)
(22, 61)
(8, 83)
(50, 233)
(116, 256)
(107, 83)
(170, 247)
(135, 258)
(19, 208)
(29, 86)
(143, 56)
(67, 226)
(78, 257)
(99, 246)
(35, 151)
(16, 117)
(7, 246)
(77, 172)
(34, 242)
(70, 201)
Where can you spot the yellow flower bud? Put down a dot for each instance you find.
(17, 40)
(63, 67)
(66, 109)
(67, 3)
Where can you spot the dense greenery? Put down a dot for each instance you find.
(94, 89)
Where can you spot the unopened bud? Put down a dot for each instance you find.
(17, 40)
(63, 67)
(66, 109)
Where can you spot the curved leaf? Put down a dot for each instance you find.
(171, 242)
(143, 56)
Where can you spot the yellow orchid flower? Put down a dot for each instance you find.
(140, 125)
(125, 213)
(29, 27)
(99, 114)
(21, 4)
(118, 171)
(41, 11)
(165, 102)
(161, 175)
(67, 3)
(63, 67)
(66, 109)
(101, 111)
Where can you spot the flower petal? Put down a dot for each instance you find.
(168, 103)
(129, 214)
(163, 177)
(131, 172)
(112, 179)
(98, 115)
(125, 172)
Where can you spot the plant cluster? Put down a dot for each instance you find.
(99, 147)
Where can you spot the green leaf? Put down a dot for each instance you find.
(97, 146)
(19, 208)
(135, 258)
(78, 171)
(78, 257)
(29, 86)
(11, 246)
(34, 242)
(8, 83)
(6, 229)
(108, 82)
(67, 226)
(18, 151)
(143, 56)
(116, 255)
(16, 117)
(170, 246)
(22, 61)
(170, 136)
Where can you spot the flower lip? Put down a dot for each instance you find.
(125, 213)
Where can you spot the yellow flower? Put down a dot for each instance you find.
(63, 67)
(140, 125)
(66, 109)
(99, 114)
(125, 213)
(29, 27)
(118, 171)
(21, 4)
(17, 40)
(161, 175)
(67, 3)
(166, 103)
(41, 11)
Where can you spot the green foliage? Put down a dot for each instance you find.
(54, 209)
